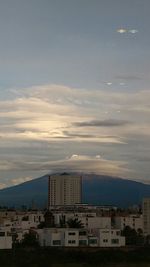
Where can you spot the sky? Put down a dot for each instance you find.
(74, 88)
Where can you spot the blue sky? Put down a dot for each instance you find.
(74, 88)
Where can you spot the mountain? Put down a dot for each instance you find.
(97, 189)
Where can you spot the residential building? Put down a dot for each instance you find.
(64, 237)
(146, 216)
(64, 189)
(110, 238)
(69, 237)
(133, 221)
(5, 239)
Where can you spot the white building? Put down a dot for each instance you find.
(5, 239)
(88, 220)
(110, 238)
(27, 220)
(67, 237)
(133, 221)
(64, 189)
(63, 237)
(146, 216)
(96, 222)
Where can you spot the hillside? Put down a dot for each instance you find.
(97, 189)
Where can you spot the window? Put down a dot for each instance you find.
(115, 241)
(105, 240)
(82, 233)
(82, 242)
(71, 241)
(93, 241)
(56, 242)
(71, 233)
(2, 233)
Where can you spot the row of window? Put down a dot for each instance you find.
(80, 233)
(84, 242)
(113, 241)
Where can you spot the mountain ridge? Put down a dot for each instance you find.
(97, 190)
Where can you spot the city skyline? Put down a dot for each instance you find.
(74, 88)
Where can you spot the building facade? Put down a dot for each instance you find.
(5, 239)
(133, 221)
(64, 189)
(67, 237)
(146, 216)
(110, 238)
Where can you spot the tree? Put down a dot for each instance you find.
(133, 237)
(30, 240)
(74, 223)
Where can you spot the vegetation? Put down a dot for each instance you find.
(30, 240)
(74, 223)
(133, 237)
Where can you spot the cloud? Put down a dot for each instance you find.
(124, 30)
(88, 164)
(52, 112)
(20, 180)
(92, 137)
(133, 31)
(105, 123)
(76, 135)
(74, 156)
(2, 185)
(80, 163)
(97, 156)
(128, 77)
(54, 119)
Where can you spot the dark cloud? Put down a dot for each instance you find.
(100, 123)
(128, 77)
(70, 134)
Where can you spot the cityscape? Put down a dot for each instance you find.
(67, 222)
(74, 133)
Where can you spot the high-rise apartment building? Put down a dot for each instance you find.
(64, 189)
(146, 216)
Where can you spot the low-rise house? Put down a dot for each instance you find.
(5, 239)
(67, 237)
(110, 238)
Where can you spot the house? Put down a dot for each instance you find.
(5, 239)
(133, 221)
(70, 237)
(110, 238)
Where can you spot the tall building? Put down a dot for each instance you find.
(64, 189)
(146, 216)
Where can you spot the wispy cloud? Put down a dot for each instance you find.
(80, 163)
(59, 117)
(104, 123)
(128, 77)
(49, 112)
(20, 180)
